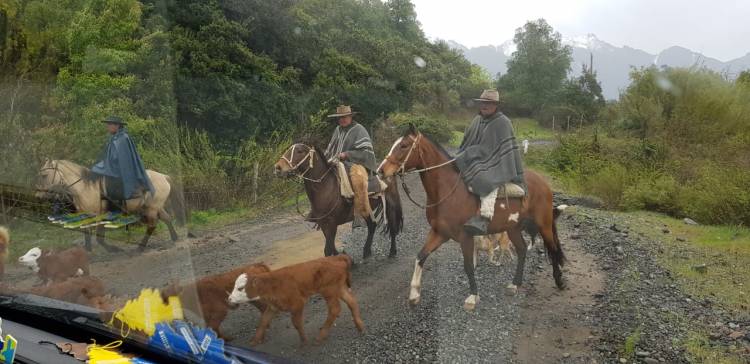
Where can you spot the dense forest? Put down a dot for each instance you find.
(212, 88)
(209, 87)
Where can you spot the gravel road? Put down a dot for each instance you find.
(615, 289)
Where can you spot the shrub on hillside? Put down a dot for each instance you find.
(436, 127)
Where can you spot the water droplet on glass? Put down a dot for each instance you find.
(419, 61)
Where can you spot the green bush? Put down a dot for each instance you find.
(658, 193)
(439, 129)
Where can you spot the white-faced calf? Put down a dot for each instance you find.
(56, 266)
(288, 289)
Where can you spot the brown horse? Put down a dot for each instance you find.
(450, 205)
(329, 208)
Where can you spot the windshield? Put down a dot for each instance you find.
(380, 180)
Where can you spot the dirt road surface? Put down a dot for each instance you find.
(615, 289)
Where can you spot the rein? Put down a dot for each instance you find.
(402, 172)
(308, 218)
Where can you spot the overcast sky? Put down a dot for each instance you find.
(716, 28)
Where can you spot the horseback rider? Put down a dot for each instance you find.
(489, 160)
(351, 146)
(121, 167)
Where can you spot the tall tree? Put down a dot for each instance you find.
(538, 67)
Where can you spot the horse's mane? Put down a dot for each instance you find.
(85, 173)
(319, 151)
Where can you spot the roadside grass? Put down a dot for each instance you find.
(701, 350)
(526, 128)
(631, 342)
(725, 250)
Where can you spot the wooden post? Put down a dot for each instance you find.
(568, 128)
(255, 183)
(553, 123)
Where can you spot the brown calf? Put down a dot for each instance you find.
(57, 266)
(212, 295)
(289, 288)
(87, 291)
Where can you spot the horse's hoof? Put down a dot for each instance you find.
(414, 300)
(511, 289)
(560, 284)
(471, 302)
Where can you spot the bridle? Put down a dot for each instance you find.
(309, 158)
(402, 172)
(57, 173)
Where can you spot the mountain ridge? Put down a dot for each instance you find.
(612, 63)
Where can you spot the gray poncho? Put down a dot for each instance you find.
(121, 160)
(354, 140)
(488, 156)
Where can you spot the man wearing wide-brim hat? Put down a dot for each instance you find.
(489, 160)
(351, 145)
(121, 166)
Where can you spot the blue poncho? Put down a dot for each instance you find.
(121, 160)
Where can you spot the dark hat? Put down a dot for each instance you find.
(114, 120)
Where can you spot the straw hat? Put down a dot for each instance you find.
(342, 110)
(489, 95)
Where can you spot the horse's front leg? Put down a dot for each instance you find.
(469, 253)
(516, 237)
(87, 239)
(434, 240)
(100, 238)
(371, 226)
(329, 231)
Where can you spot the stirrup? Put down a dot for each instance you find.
(477, 225)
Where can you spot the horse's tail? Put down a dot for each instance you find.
(176, 202)
(556, 255)
(393, 211)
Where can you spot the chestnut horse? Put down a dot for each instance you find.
(329, 208)
(450, 205)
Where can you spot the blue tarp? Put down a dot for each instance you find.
(121, 160)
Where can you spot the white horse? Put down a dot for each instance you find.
(85, 190)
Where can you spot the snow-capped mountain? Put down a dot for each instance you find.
(611, 63)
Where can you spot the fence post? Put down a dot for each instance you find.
(553, 123)
(255, 182)
(568, 128)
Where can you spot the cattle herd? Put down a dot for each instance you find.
(63, 274)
